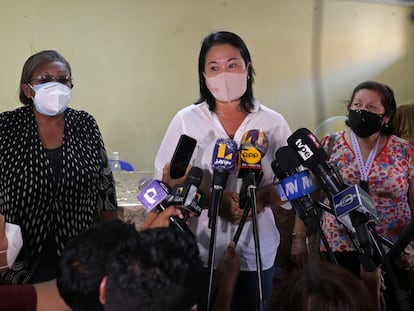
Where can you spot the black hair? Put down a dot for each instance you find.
(387, 100)
(32, 63)
(323, 287)
(83, 262)
(164, 273)
(225, 37)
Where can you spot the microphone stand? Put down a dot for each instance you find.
(376, 239)
(250, 204)
(325, 242)
(400, 293)
(213, 213)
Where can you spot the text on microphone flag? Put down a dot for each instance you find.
(224, 154)
(250, 155)
(255, 138)
(153, 194)
(346, 201)
(298, 185)
(303, 149)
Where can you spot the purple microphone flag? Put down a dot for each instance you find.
(153, 194)
(224, 154)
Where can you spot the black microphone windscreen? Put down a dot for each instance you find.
(308, 147)
(195, 176)
(287, 159)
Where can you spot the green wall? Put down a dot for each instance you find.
(134, 62)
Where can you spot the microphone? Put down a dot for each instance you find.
(353, 217)
(295, 185)
(153, 196)
(253, 147)
(403, 240)
(313, 156)
(223, 161)
(187, 196)
(354, 198)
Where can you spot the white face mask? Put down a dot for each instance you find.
(227, 86)
(51, 98)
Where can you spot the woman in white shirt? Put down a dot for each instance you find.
(227, 109)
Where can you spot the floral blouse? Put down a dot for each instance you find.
(388, 183)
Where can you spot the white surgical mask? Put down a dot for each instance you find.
(51, 98)
(227, 86)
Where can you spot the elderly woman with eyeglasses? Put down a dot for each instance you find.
(54, 175)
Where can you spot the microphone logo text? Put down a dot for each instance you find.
(250, 155)
(298, 185)
(304, 151)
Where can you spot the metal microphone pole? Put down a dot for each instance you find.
(251, 205)
(252, 195)
(400, 293)
(322, 236)
(216, 196)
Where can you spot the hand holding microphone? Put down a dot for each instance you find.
(154, 196)
(188, 196)
(162, 219)
(157, 195)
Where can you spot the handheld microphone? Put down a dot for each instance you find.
(313, 156)
(153, 195)
(187, 196)
(295, 185)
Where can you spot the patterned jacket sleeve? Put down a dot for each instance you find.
(106, 182)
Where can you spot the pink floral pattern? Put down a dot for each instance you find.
(387, 185)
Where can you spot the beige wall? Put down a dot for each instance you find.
(135, 62)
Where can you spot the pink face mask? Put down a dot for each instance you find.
(227, 86)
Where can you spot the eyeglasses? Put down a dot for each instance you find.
(44, 78)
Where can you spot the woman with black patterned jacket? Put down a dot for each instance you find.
(54, 175)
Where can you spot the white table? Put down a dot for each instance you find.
(129, 207)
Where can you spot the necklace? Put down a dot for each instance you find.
(364, 169)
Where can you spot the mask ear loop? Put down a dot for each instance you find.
(33, 89)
